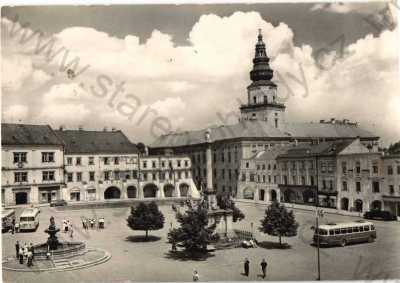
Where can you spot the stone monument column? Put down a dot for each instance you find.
(210, 193)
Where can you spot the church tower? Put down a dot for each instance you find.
(262, 103)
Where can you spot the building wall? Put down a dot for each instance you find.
(131, 177)
(35, 188)
(370, 171)
(391, 184)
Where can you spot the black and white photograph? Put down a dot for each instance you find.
(200, 141)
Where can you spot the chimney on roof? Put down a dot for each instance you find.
(61, 128)
(105, 129)
(80, 128)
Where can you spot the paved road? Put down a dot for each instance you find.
(137, 261)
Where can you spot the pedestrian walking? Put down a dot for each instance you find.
(29, 256)
(71, 233)
(66, 226)
(17, 249)
(264, 267)
(25, 250)
(13, 226)
(195, 276)
(21, 255)
(246, 266)
(32, 250)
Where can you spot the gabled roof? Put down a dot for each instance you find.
(96, 142)
(24, 134)
(262, 130)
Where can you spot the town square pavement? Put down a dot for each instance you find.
(133, 260)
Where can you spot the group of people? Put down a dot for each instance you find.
(91, 222)
(68, 228)
(263, 265)
(24, 252)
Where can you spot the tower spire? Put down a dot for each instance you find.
(261, 69)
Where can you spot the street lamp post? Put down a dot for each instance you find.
(316, 222)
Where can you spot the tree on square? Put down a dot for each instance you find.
(146, 217)
(278, 221)
(225, 201)
(194, 233)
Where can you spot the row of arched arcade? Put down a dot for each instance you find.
(150, 190)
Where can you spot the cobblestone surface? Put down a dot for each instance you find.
(149, 261)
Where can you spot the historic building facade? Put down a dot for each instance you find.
(32, 164)
(261, 126)
(391, 183)
(103, 165)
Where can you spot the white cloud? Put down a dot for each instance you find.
(15, 113)
(191, 84)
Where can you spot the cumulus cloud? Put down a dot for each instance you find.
(200, 84)
(15, 113)
(344, 7)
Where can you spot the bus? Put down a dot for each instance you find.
(7, 217)
(345, 233)
(29, 219)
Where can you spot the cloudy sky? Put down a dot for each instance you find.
(153, 69)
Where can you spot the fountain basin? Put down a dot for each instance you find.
(64, 250)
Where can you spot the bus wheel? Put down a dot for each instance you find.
(343, 243)
(370, 239)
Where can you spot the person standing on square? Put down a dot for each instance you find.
(246, 266)
(264, 267)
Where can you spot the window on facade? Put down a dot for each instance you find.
(144, 164)
(303, 180)
(311, 164)
(116, 160)
(391, 189)
(247, 164)
(294, 178)
(269, 166)
(78, 176)
(153, 164)
(134, 174)
(243, 177)
(106, 175)
(48, 175)
(330, 167)
(285, 180)
(20, 177)
(263, 178)
(47, 157)
(312, 180)
(230, 174)
(222, 157)
(70, 177)
(330, 184)
(91, 176)
(251, 177)
(344, 186)
(258, 178)
(223, 173)
(69, 160)
(390, 170)
(398, 169)
(106, 160)
(358, 187)
(375, 168)
(19, 157)
(144, 176)
(274, 179)
(375, 187)
(344, 168)
(91, 160)
(178, 163)
(186, 163)
(78, 161)
(258, 166)
(204, 172)
(324, 184)
(358, 167)
(187, 174)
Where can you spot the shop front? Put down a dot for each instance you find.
(392, 204)
(49, 194)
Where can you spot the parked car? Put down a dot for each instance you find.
(59, 202)
(379, 215)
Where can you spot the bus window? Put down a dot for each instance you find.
(323, 232)
(343, 231)
(372, 227)
(356, 229)
(331, 232)
(366, 228)
(361, 228)
(337, 231)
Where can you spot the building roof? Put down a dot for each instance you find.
(96, 142)
(272, 153)
(261, 130)
(331, 148)
(24, 134)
